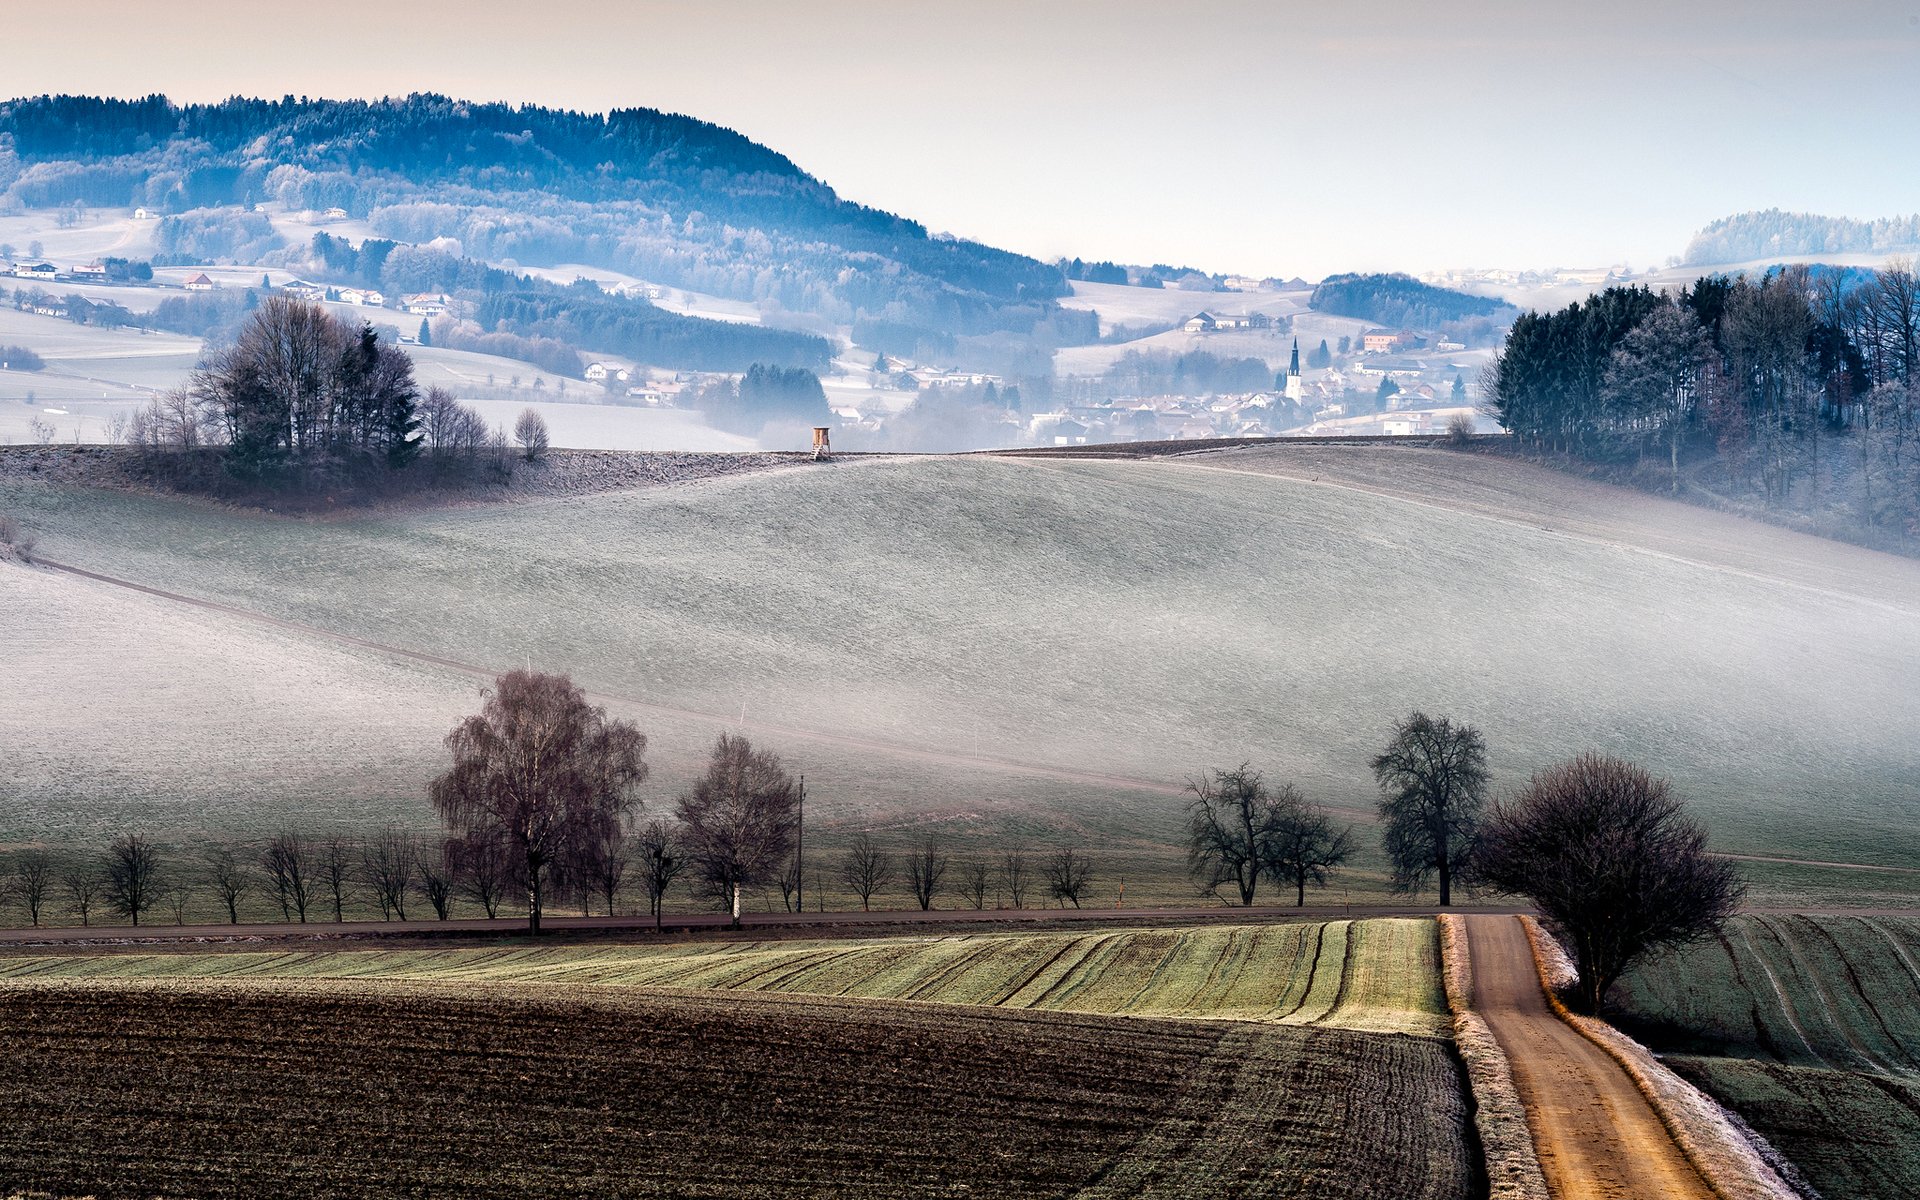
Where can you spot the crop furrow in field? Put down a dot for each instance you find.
(1816, 985)
(1784, 1005)
(1861, 994)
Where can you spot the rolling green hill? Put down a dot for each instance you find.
(1030, 650)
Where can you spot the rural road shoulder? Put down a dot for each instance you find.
(1596, 1135)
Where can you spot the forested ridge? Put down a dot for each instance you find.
(1797, 391)
(669, 198)
(1750, 236)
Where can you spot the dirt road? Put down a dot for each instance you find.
(1596, 1135)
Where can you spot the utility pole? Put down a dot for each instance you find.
(800, 852)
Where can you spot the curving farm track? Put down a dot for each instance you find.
(1596, 1135)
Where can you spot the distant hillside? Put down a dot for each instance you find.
(1747, 236)
(1401, 300)
(668, 198)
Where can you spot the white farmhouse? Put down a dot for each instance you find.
(200, 283)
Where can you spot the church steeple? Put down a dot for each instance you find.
(1293, 368)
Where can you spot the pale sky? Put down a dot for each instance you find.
(1265, 138)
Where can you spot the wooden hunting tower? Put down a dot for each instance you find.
(821, 448)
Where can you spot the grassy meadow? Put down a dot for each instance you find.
(997, 650)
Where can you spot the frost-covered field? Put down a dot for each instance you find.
(1140, 620)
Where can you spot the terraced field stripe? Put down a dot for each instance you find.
(1226, 970)
(1306, 981)
(1329, 976)
(1092, 971)
(1153, 981)
(1858, 994)
(1784, 1005)
(1069, 946)
(1832, 1009)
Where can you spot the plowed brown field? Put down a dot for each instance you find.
(265, 1088)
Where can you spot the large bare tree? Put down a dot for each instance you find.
(661, 860)
(1606, 853)
(866, 869)
(32, 881)
(739, 820)
(1433, 784)
(230, 879)
(543, 771)
(388, 864)
(131, 876)
(288, 863)
(1230, 820)
(1069, 875)
(1304, 847)
(1015, 877)
(974, 883)
(926, 867)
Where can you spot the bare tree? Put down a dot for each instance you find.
(530, 431)
(387, 866)
(600, 866)
(32, 881)
(131, 876)
(484, 871)
(336, 872)
(926, 867)
(1303, 848)
(288, 865)
(81, 881)
(436, 870)
(975, 881)
(866, 868)
(1069, 876)
(661, 860)
(540, 770)
(1230, 820)
(1015, 878)
(231, 881)
(738, 820)
(1433, 784)
(1605, 852)
(178, 898)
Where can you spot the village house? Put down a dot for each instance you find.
(200, 283)
(1211, 322)
(41, 271)
(93, 270)
(300, 289)
(146, 214)
(429, 304)
(363, 299)
(600, 372)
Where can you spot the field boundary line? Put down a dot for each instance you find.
(1735, 1164)
(1506, 1140)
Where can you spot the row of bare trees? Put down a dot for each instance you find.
(1065, 876)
